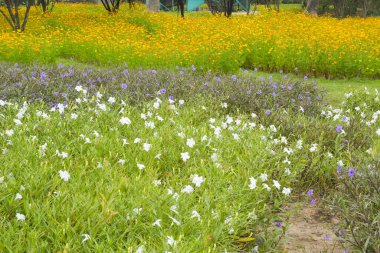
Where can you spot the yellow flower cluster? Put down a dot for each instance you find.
(270, 40)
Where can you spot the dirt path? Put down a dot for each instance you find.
(310, 231)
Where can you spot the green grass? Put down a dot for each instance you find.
(335, 88)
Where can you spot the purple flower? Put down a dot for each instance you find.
(341, 232)
(233, 77)
(64, 95)
(163, 91)
(259, 92)
(43, 75)
(305, 78)
(248, 92)
(55, 93)
(344, 118)
(148, 95)
(281, 71)
(327, 238)
(339, 128)
(267, 112)
(351, 172)
(205, 84)
(181, 72)
(171, 97)
(310, 192)
(193, 68)
(313, 202)
(339, 170)
(123, 86)
(279, 224)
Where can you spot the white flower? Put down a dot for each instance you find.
(214, 157)
(263, 177)
(252, 184)
(378, 131)
(171, 241)
(313, 147)
(197, 180)
(64, 175)
(140, 249)
(137, 211)
(157, 223)
(121, 161)
(276, 184)
(17, 121)
(78, 88)
(273, 128)
(212, 120)
(284, 140)
(125, 120)
(185, 156)
(235, 136)
(195, 214)
(158, 156)
(288, 150)
(286, 161)
(64, 155)
(157, 182)
(182, 135)
(137, 140)
(286, 191)
(86, 237)
(181, 101)
(190, 142)
(299, 144)
(188, 189)
(9, 132)
(18, 196)
(175, 221)
(111, 100)
(147, 146)
(140, 166)
(74, 116)
(150, 124)
(20, 217)
(340, 163)
(266, 187)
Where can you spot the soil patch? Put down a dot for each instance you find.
(311, 230)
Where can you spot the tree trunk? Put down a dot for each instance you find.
(311, 7)
(181, 7)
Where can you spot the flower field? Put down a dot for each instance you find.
(103, 160)
(271, 41)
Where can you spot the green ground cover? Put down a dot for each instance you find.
(177, 161)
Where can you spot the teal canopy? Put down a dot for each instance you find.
(193, 4)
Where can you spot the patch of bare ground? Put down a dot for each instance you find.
(310, 230)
